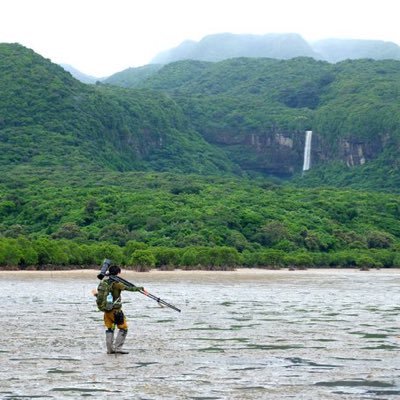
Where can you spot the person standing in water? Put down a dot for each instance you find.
(115, 317)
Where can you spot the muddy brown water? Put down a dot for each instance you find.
(330, 334)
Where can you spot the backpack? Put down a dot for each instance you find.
(103, 290)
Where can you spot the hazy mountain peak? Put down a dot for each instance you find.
(79, 75)
(334, 50)
(221, 46)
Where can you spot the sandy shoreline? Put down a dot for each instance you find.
(154, 272)
(178, 274)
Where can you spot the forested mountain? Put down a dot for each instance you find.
(239, 115)
(257, 111)
(49, 118)
(176, 171)
(223, 46)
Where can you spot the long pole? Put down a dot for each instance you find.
(145, 292)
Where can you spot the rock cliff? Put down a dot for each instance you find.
(281, 153)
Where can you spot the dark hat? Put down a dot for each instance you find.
(114, 270)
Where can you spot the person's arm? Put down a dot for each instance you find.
(134, 288)
(121, 286)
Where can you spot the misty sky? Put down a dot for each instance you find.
(101, 37)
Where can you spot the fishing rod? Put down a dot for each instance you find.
(145, 292)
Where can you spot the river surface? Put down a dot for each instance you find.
(330, 334)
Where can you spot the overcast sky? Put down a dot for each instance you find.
(101, 37)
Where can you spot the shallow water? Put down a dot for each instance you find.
(241, 335)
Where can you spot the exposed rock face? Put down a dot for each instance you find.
(276, 153)
(353, 153)
(281, 153)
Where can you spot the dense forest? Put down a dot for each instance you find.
(167, 220)
(162, 175)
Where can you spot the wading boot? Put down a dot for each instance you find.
(119, 342)
(109, 341)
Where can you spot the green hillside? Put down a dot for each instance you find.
(332, 99)
(350, 104)
(49, 118)
(132, 77)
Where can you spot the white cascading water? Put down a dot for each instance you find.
(307, 151)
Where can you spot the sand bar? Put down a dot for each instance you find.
(245, 274)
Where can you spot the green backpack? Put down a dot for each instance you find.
(103, 290)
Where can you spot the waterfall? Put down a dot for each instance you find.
(307, 151)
